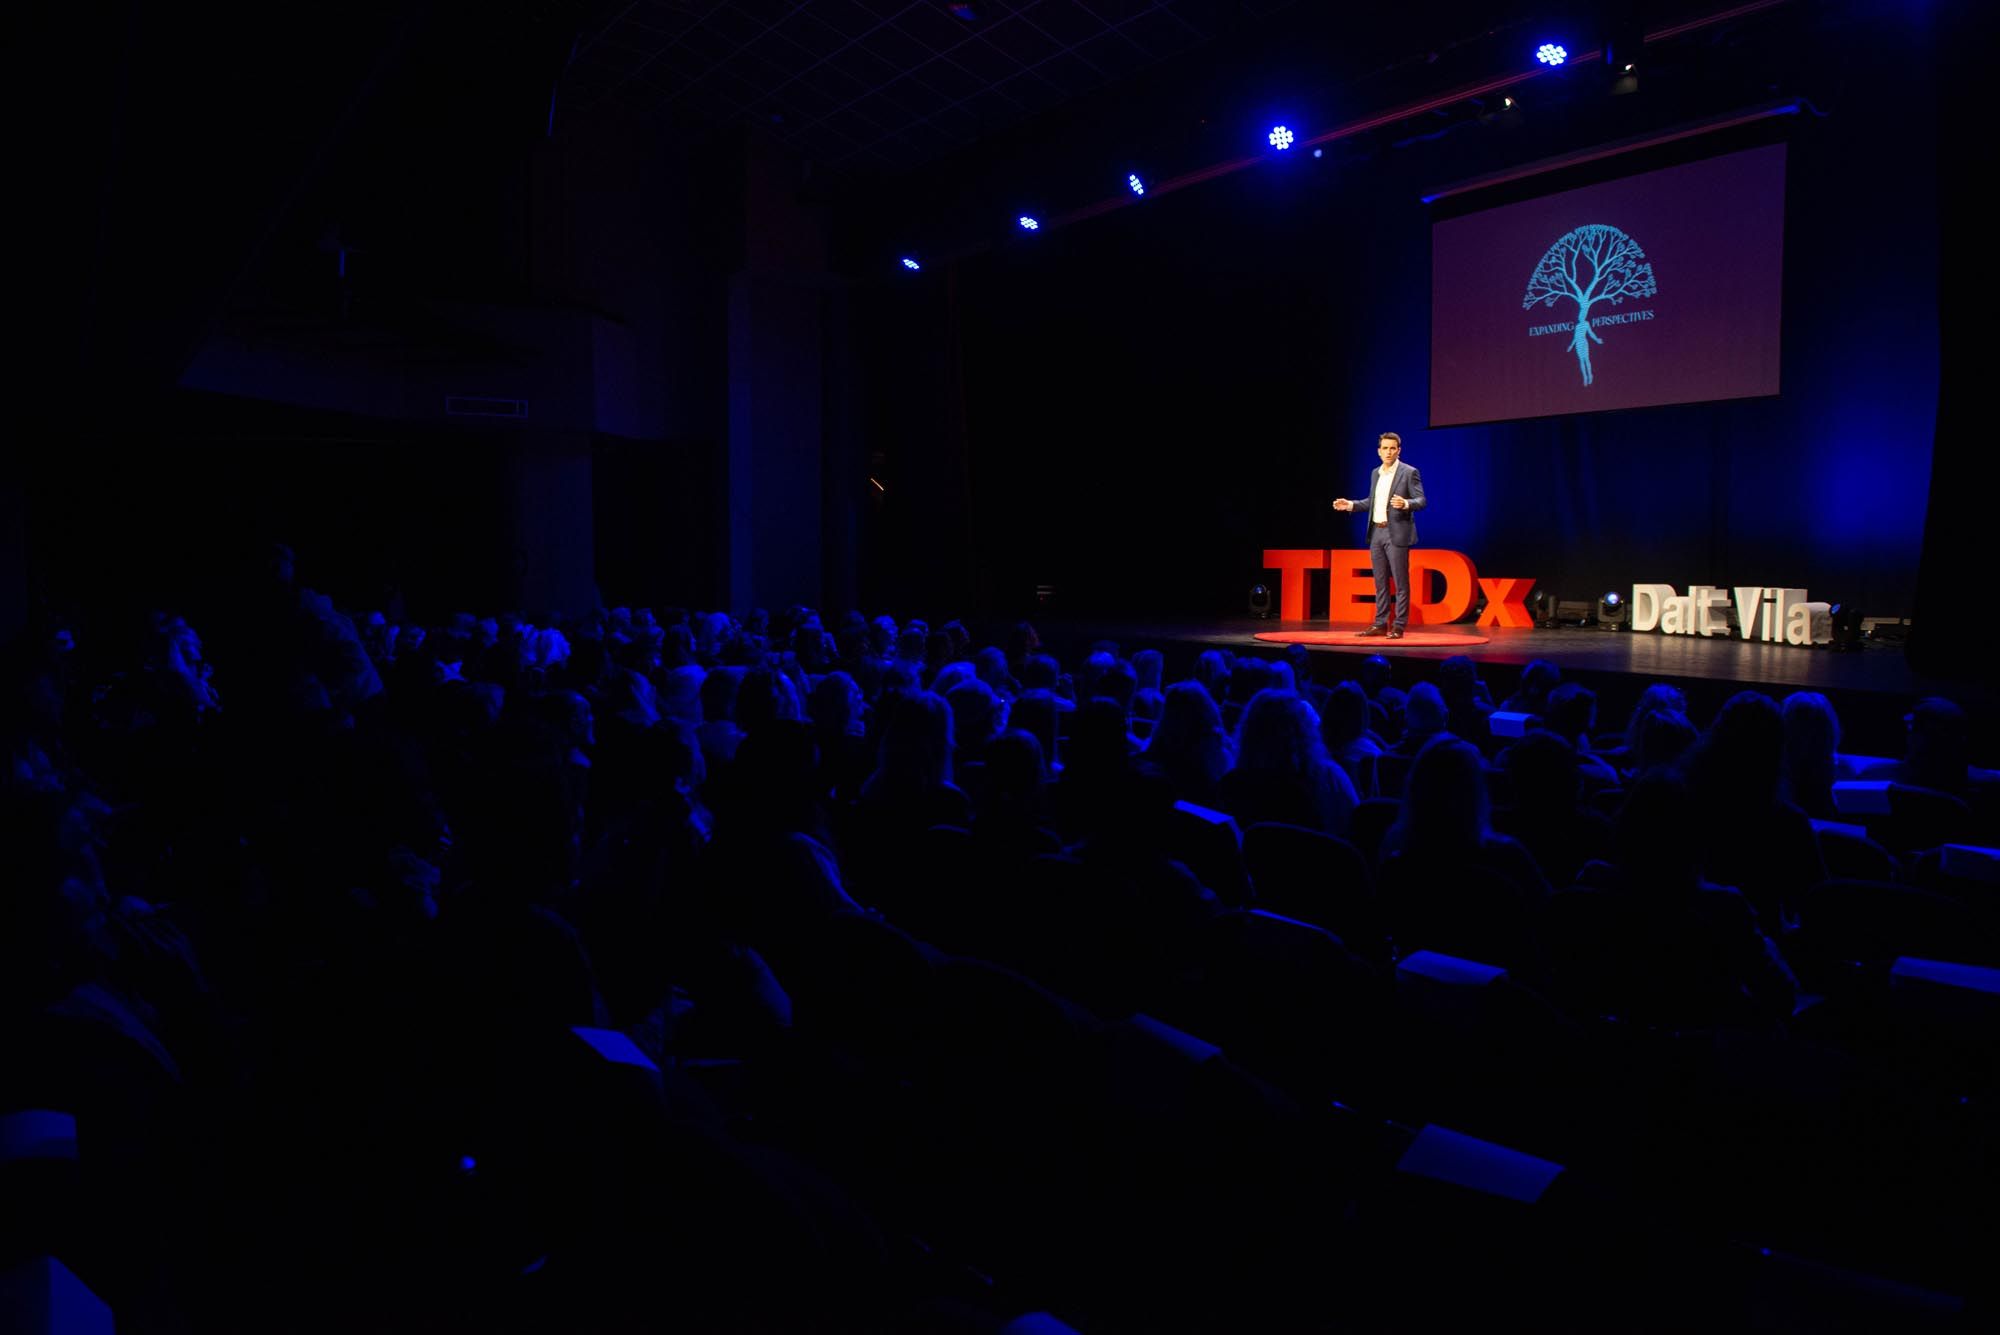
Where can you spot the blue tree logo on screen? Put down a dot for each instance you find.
(1592, 265)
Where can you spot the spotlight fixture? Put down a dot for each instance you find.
(1551, 53)
(1029, 223)
(1138, 186)
(1507, 103)
(1578, 612)
(911, 264)
(1613, 612)
(1624, 38)
(1319, 152)
(1260, 600)
(1281, 138)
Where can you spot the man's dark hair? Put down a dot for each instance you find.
(1390, 435)
(1572, 711)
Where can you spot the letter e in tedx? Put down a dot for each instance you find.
(1350, 586)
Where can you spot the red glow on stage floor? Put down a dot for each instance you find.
(1349, 639)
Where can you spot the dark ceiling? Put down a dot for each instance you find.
(876, 86)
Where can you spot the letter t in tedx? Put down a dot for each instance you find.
(1292, 565)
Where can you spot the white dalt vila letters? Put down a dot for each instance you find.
(1771, 615)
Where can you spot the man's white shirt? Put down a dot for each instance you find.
(1385, 479)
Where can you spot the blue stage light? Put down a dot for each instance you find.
(1138, 186)
(1281, 138)
(1029, 224)
(911, 264)
(1551, 53)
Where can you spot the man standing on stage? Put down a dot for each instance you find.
(1397, 493)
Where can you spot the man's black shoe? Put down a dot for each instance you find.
(1374, 630)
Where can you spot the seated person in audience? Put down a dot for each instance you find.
(939, 653)
(1661, 696)
(1753, 838)
(1466, 700)
(1099, 758)
(718, 732)
(1039, 672)
(1651, 941)
(1343, 726)
(1283, 772)
(1537, 680)
(864, 650)
(1096, 664)
(1937, 750)
(1190, 749)
(990, 666)
(764, 697)
(960, 638)
(911, 644)
(1812, 745)
(951, 676)
(1449, 881)
(773, 785)
(1299, 659)
(1543, 811)
(912, 785)
(1022, 641)
(1130, 918)
(1424, 718)
(1212, 670)
(1118, 682)
(1246, 679)
(977, 717)
(1148, 665)
(1571, 715)
(1376, 675)
(1660, 738)
(1040, 713)
(898, 678)
(846, 758)
(1148, 707)
(1011, 805)
(1385, 700)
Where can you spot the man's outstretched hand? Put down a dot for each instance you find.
(1343, 505)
